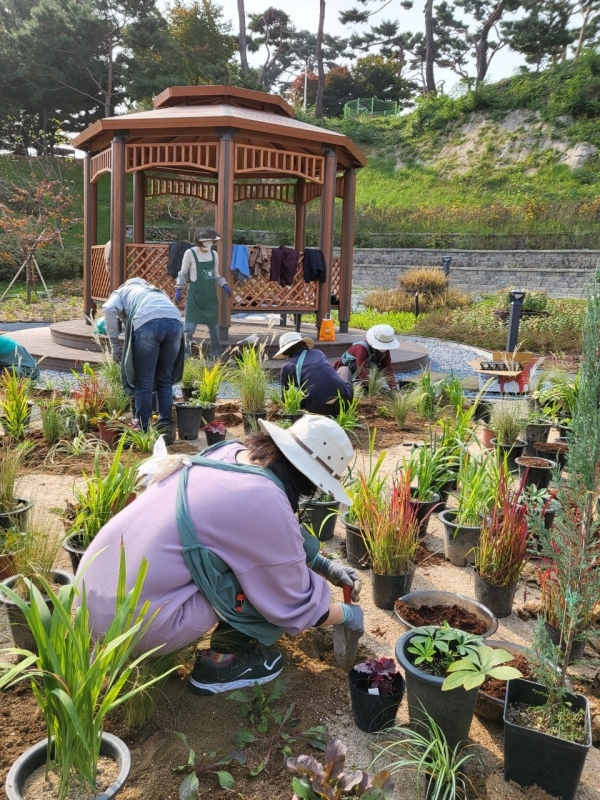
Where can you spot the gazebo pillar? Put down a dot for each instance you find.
(224, 226)
(300, 217)
(327, 227)
(347, 249)
(139, 207)
(90, 228)
(118, 269)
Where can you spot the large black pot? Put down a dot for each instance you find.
(356, 549)
(433, 597)
(371, 712)
(18, 518)
(208, 413)
(187, 392)
(460, 541)
(111, 747)
(19, 628)
(577, 648)
(74, 546)
(537, 475)
(424, 509)
(536, 432)
(452, 710)
(499, 599)
(444, 492)
(532, 757)
(558, 457)
(323, 516)
(513, 451)
(189, 420)
(388, 588)
(250, 419)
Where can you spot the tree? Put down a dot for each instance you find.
(340, 88)
(378, 77)
(487, 15)
(590, 22)
(295, 91)
(320, 64)
(243, 46)
(273, 31)
(543, 34)
(429, 47)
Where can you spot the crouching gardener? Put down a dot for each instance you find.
(224, 545)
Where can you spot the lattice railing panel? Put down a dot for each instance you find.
(146, 156)
(100, 163)
(202, 190)
(100, 275)
(149, 261)
(283, 192)
(336, 276)
(268, 159)
(261, 294)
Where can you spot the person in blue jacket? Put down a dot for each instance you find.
(309, 368)
(14, 356)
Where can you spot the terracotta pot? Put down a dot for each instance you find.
(108, 433)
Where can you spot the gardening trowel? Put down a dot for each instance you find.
(345, 641)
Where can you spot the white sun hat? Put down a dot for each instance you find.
(381, 337)
(318, 447)
(288, 340)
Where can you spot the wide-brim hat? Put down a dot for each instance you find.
(288, 340)
(318, 447)
(381, 337)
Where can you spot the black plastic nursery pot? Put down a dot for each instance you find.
(291, 417)
(565, 431)
(434, 597)
(74, 546)
(372, 712)
(532, 757)
(499, 599)
(187, 392)
(213, 438)
(577, 648)
(18, 517)
(250, 419)
(513, 451)
(389, 588)
(459, 540)
(535, 432)
(444, 493)
(554, 451)
(189, 420)
(18, 626)
(356, 549)
(452, 710)
(539, 475)
(323, 516)
(424, 509)
(35, 757)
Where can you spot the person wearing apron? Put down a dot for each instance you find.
(200, 269)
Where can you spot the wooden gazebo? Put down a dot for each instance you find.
(224, 145)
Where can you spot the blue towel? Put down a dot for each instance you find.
(240, 262)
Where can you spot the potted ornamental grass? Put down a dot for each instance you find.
(390, 529)
(429, 467)
(73, 690)
(376, 690)
(537, 429)
(444, 669)
(508, 422)
(547, 726)
(292, 397)
(15, 404)
(475, 496)
(192, 371)
(199, 408)
(13, 510)
(502, 551)
(251, 379)
(9, 543)
(322, 512)
(102, 496)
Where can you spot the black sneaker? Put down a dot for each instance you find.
(216, 672)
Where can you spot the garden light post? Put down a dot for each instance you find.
(446, 261)
(516, 303)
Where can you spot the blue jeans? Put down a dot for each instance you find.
(189, 330)
(155, 347)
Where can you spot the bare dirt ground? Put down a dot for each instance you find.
(316, 685)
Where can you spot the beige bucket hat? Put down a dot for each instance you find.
(288, 340)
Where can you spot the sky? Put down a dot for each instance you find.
(305, 14)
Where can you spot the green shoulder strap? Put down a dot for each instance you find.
(299, 365)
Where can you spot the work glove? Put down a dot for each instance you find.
(177, 296)
(227, 289)
(353, 618)
(338, 575)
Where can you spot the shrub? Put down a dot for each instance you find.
(394, 300)
(533, 301)
(54, 261)
(426, 280)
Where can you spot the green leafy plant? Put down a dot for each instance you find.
(11, 459)
(475, 668)
(453, 391)
(477, 491)
(251, 377)
(366, 486)
(36, 553)
(292, 397)
(348, 417)
(206, 764)
(507, 420)
(142, 441)
(74, 691)
(209, 383)
(399, 404)
(15, 391)
(80, 445)
(430, 467)
(53, 420)
(427, 395)
(192, 372)
(256, 703)
(332, 781)
(376, 383)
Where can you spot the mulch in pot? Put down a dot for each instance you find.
(551, 447)
(532, 461)
(454, 615)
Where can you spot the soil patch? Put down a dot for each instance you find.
(425, 557)
(388, 432)
(497, 688)
(454, 615)
(229, 419)
(539, 463)
(538, 718)
(39, 787)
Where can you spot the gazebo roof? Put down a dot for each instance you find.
(185, 114)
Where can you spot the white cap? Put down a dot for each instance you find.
(381, 337)
(288, 340)
(318, 447)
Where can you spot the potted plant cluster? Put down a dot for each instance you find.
(507, 422)
(376, 690)
(199, 409)
(390, 530)
(251, 379)
(73, 691)
(502, 551)
(322, 513)
(547, 727)
(429, 466)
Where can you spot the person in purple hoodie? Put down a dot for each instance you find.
(225, 548)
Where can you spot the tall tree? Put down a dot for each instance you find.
(429, 47)
(320, 64)
(543, 35)
(243, 45)
(487, 14)
(590, 21)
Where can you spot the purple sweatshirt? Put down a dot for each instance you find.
(245, 519)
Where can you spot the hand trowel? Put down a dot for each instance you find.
(345, 641)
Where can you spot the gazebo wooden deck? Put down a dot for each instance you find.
(223, 145)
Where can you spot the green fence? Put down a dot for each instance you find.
(371, 106)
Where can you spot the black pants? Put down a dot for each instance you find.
(225, 639)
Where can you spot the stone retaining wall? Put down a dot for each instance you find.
(562, 273)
